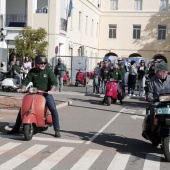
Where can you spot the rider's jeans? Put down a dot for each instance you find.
(52, 107)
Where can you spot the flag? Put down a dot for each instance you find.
(70, 8)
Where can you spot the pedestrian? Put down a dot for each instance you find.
(27, 65)
(59, 72)
(152, 69)
(96, 83)
(17, 72)
(132, 78)
(43, 79)
(104, 75)
(141, 78)
(12, 59)
(97, 72)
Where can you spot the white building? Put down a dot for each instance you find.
(95, 28)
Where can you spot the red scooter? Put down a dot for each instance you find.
(65, 79)
(34, 113)
(80, 78)
(111, 92)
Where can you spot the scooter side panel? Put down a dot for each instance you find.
(34, 104)
(111, 89)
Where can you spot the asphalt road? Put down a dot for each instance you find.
(94, 137)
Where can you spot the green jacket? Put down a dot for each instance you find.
(122, 73)
(61, 71)
(114, 74)
(43, 79)
(16, 68)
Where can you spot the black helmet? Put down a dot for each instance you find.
(40, 59)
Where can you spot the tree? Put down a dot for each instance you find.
(31, 42)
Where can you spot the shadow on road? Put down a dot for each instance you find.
(122, 144)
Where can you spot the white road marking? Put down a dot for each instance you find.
(7, 147)
(119, 161)
(137, 117)
(87, 160)
(129, 111)
(104, 127)
(53, 159)
(24, 156)
(20, 136)
(151, 162)
(57, 140)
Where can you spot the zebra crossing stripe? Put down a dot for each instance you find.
(19, 159)
(119, 161)
(87, 160)
(7, 147)
(53, 159)
(151, 162)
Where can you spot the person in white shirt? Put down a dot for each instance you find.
(132, 78)
(27, 65)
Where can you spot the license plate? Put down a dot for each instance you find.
(163, 110)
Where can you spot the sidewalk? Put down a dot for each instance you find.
(15, 111)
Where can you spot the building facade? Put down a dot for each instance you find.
(95, 28)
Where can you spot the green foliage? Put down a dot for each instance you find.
(31, 42)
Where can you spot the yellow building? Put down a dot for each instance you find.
(96, 28)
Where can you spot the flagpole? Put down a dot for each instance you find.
(67, 15)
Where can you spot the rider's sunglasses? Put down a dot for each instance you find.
(42, 63)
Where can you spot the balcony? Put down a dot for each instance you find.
(15, 20)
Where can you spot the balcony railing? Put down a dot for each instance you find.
(63, 24)
(15, 20)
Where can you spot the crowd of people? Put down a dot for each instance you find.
(137, 75)
(19, 70)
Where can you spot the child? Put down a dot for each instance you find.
(95, 83)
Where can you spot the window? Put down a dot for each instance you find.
(113, 4)
(112, 31)
(164, 5)
(92, 22)
(136, 31)
(79, 21)
(161, 32)
(138, 5)
(97, 29)
(86, 27)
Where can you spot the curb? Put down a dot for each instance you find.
(64, 104)
(78, 94)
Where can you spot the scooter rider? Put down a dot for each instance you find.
(115, 74)
(44, 79)
(159, 81)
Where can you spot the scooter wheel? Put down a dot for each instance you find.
(77, 83)
(28, 131)
(109, 101)
(5, 89)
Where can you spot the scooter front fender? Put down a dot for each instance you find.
(29, 119)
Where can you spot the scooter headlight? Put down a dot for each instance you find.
(111, 79)
(165, 98)
(33, 90)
